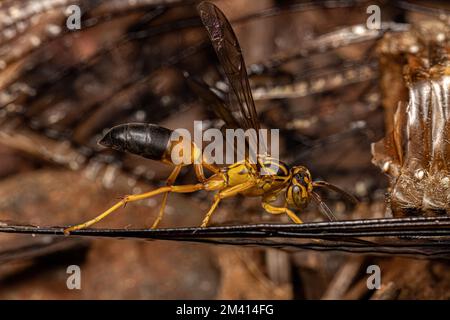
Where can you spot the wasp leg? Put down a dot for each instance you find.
(226, 193)
(177, 189)
(198, 168)
(211, 167)
(278, 210)
(199, 162)
(170, 181)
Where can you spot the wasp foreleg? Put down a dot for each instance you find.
(279, 210)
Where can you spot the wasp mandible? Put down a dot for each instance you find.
(243, 177)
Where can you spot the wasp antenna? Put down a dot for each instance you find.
(323, 184)
(323, 207)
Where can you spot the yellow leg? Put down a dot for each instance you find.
(278, 210)
(170, 181)
(199, 163)
(136, 197)
(210, 212)
(198, 168)
(211, 167)
(226, 193)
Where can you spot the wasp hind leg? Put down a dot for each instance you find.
(177, 189)
(279, 210)
(170, 181)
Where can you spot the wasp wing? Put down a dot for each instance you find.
(229, 53)
(213, 101)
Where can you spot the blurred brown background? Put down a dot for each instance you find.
(60, 89)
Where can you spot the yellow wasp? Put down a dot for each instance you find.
(267, 178)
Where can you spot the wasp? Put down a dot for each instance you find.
(268, 178)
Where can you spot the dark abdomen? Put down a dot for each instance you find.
(146, 140)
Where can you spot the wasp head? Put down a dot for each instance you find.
(300, 187)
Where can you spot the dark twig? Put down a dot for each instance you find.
(411, 236)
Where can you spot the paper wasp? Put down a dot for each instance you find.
(244, 177)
